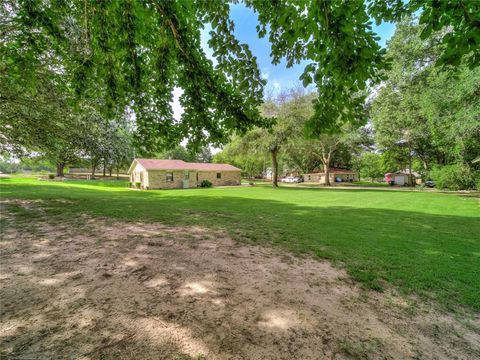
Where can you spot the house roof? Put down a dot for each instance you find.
(334, 171)
(156, 164)
(414, 173)
(213, 167)
(406, 173)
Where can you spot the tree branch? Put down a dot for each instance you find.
(172, 26)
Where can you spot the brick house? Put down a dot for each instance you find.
(178, 174)
(343, 174)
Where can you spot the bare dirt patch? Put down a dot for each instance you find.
(94, 288)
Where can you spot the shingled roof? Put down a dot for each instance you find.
(156, 164)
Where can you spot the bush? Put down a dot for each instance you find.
(420, 187)
(51, 176)
(205, 184)
(138, 184)
(453, 177)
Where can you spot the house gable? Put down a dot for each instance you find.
(135, 166)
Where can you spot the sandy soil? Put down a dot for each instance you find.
(98, 289)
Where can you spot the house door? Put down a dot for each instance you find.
(186, 179)
(399, 180)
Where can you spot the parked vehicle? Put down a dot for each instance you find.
(430, 183)
(292, 179)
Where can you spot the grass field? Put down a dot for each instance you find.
(422, 243)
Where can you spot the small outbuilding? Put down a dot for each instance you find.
(178, 174)
(400, 178)
(335, 175)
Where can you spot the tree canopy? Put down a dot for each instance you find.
(132, 53)
(424, 112)
(285, 146)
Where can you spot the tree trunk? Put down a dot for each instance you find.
(326, 168)
(94, 167)
(104, 169)
(60, 167)
(410, 178)
(118, 170)
(274, 168)
(327, 173)
(110, 169)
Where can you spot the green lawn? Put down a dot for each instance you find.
(343, 184)
(421, 242)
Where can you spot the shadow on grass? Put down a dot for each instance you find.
(433, 255)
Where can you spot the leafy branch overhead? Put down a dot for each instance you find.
(134, 54)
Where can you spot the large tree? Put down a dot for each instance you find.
(298, 149)
(180, 152)
(289, 110)
(41, 122)
(371, 166)
(422, 113)
(135, 53)
(338, 146)
(270, 141)
(236, 153)
(46, 123)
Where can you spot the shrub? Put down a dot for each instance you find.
(138, 184)
(251, 184)
(51, 176)
(420, 187)
(453, 177)
(205, 184)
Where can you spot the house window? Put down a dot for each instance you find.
(187, 175)
(219, 175)
(169, 176)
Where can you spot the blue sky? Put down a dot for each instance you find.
(278, 77)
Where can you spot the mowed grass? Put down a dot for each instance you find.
(422, 243)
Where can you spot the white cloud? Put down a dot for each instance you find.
(265, 74)
(277, 85)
